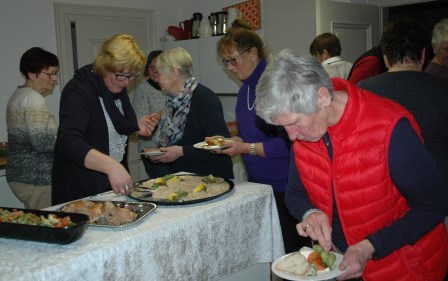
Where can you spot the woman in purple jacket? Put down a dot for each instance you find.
(264, 148)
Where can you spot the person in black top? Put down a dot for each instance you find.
(403, 43)
(96, 118)
(369, 64)
(192, 112)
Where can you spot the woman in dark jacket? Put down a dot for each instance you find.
(192, 112)
(96, 118)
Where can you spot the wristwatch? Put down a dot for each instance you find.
(253, 151)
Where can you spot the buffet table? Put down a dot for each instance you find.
(205, 241)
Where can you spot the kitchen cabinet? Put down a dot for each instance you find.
(207, 65)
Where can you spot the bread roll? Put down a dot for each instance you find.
(294, 264)
(214, 141)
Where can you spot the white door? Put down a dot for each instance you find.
(91, 32)
(81, 32)
(81, 29)
(292, 24)
(356, 25)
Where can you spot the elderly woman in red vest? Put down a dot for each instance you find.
(361, 180)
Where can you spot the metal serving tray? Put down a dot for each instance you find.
(141, 208)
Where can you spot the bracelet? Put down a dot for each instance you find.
(309, 212)
(253, 151)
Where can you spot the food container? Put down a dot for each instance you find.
(142, 209)
(46, 234)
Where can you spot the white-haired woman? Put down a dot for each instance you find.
(361, 179)
(192, 112)
(439, 64)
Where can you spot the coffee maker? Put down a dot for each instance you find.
(196, 20)
(214, 23)
(221, 24)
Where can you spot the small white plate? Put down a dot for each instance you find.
(204, 145)
(324, 276)
(153, 153)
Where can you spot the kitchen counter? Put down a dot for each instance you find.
(206, 241)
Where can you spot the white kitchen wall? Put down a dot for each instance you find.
(27, 23)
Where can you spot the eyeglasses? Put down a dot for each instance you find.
(122, 77)
(232, 61)
(51, 75)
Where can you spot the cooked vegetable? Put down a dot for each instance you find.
(209, 179)
(328, 258)
(177, 195)
(20, 217)
(316, 259)
(201, 187)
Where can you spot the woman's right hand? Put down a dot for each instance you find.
(119, 178)
(316, 226)
(116, 173)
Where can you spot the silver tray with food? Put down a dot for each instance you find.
(110, 213)
(42, 226)
(181, 189)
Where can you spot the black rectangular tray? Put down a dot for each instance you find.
(43, 233)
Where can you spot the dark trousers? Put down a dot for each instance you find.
(291, 239)
(155, 170)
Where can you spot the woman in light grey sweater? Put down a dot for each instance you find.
(32, 130)
(148, 98)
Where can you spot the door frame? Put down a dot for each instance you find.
(66, 14)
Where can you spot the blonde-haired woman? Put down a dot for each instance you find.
(192, 112)
(96, 118)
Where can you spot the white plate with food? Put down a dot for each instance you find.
(295, 266)
(212, 143)
(204, 145)
(153, 153)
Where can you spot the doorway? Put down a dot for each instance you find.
(81, 29)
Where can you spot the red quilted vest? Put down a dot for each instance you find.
(365, 194)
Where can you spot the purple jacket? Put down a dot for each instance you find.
(272, 169)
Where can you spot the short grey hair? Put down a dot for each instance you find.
(290, 84)
(177, 58)
(440, 33)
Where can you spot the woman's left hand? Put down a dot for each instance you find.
(172, 153)
(147, 124)
(355, 260)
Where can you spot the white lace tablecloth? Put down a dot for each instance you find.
(205, 241)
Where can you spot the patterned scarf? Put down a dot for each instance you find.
(174, 115)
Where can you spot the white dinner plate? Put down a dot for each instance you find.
(204, 145)
(153, 153)
(323, 276)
